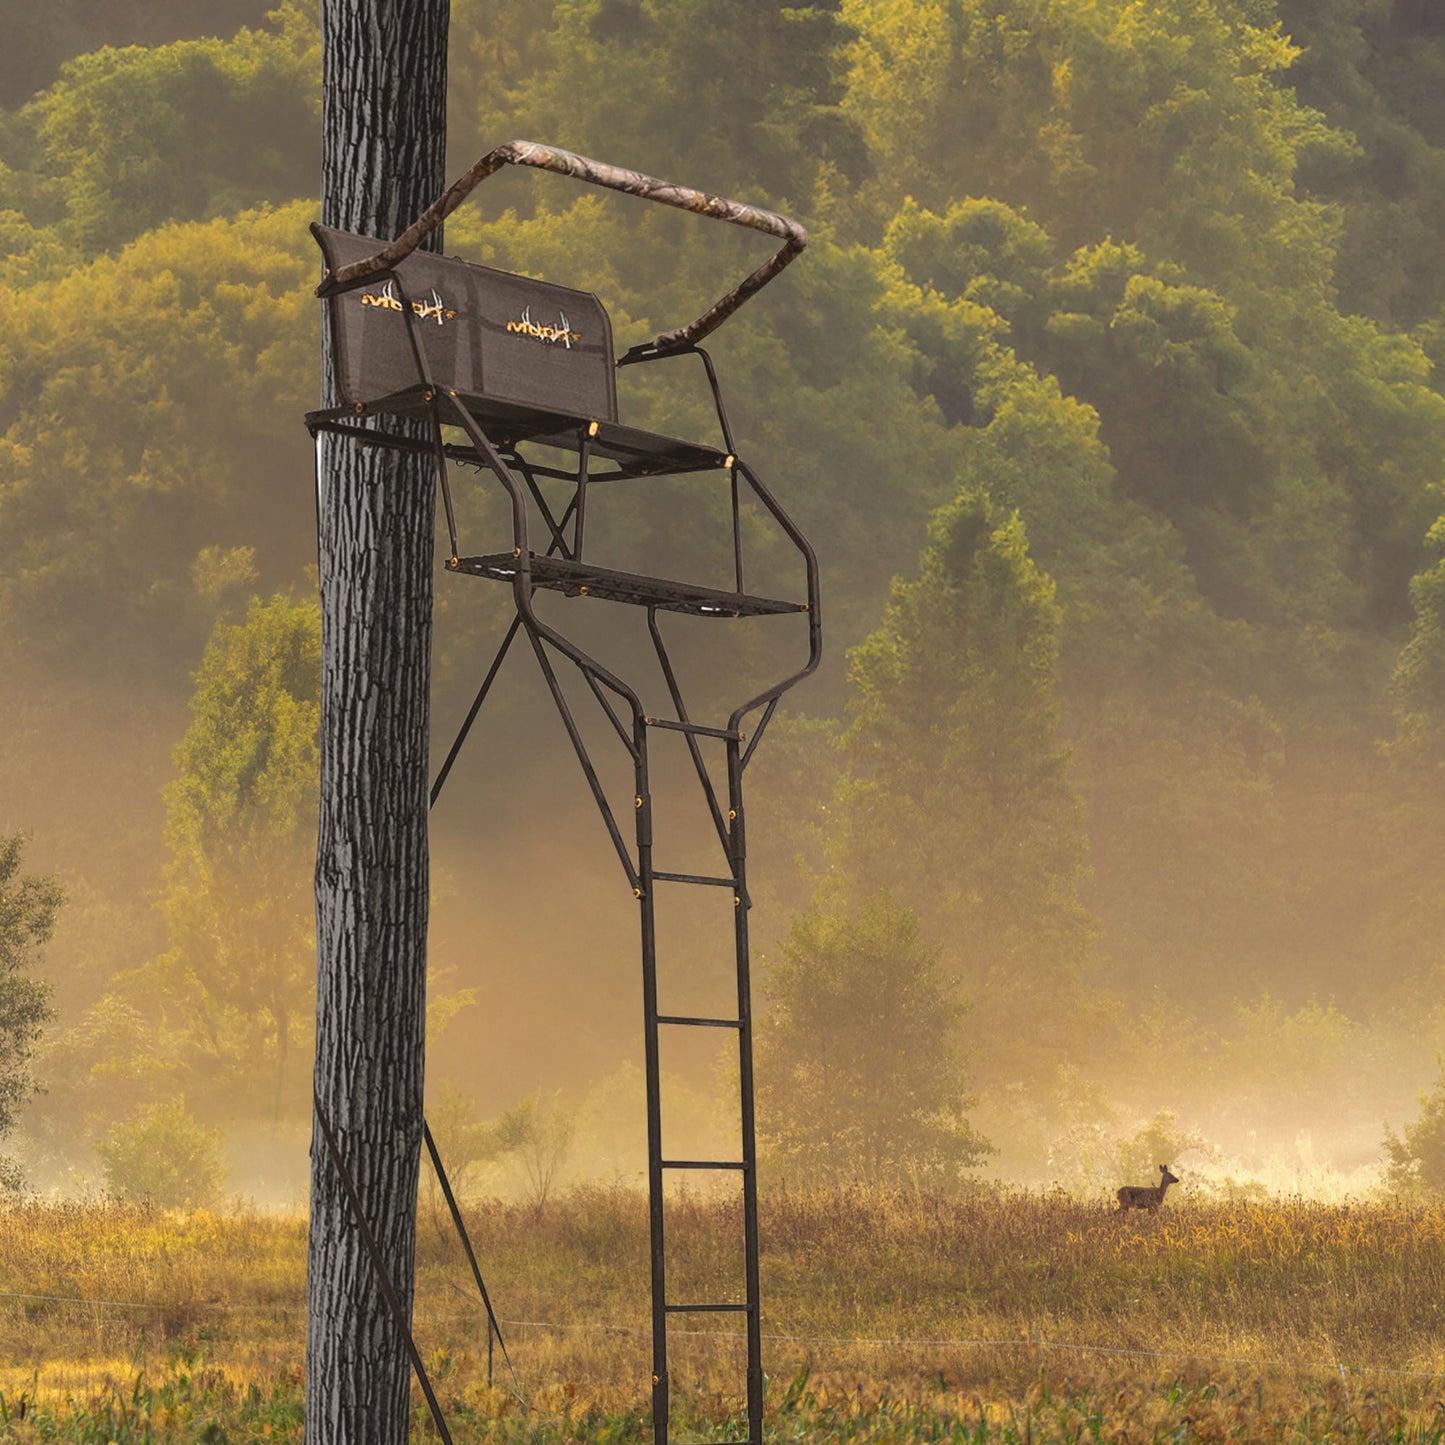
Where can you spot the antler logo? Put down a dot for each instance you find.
(525, 326)
(435, 309)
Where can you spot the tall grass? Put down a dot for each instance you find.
(997, 1316)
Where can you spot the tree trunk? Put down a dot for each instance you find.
(384, 119)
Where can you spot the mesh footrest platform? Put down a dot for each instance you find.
(582, 579)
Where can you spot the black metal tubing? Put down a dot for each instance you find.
(476, 707)
(378, 1265)
(522, 581)
(762, 727)
(570, 553)
(446, 1184)
(700, 730)
(746, 1092)
(580, 748)
(584, 461)
(648, 353)
(704, 777)
(815, 619)
(652, 1072)
(643, 353)
(519, 479)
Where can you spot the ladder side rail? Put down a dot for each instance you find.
(746, 1099)
(616, 178)
(652, 1076)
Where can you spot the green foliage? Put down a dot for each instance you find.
(1136, 1157)
(738, 97)
(956, 797)
(240, 829)
(28, 906)
(861, 1073)
(162, 1156)
(1379, 78)
(130, 139)
(1417, 1154)
(140, 428)
(1419, 679)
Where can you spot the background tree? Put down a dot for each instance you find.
(956, 798)
(861, 1072)
(28, 906)
(383, 151)
(239, 975)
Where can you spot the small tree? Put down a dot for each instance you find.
(539, 1132)
(28, 906)
(860, 1071)
(1417, 1153)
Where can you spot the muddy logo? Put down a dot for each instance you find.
(433, 309)
(562, 332)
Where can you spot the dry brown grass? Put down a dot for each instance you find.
(989, 1308)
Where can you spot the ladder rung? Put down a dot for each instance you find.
(702, 1164)
(695, 728)
(695, 878)
(700, 1023)
(706, 1309)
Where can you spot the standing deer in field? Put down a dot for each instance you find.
(1146, 1196)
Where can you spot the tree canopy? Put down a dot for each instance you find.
(1109, 390)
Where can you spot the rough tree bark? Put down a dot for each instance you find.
(384, 132)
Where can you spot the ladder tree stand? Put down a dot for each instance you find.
(511, 374)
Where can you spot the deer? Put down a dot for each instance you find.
(1146, 1196)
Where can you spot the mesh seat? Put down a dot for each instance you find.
(529, 360)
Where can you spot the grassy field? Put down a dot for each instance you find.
(888, 1318)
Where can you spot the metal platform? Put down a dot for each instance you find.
(507, 425)
(578, 579)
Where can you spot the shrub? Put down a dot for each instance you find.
(163, 1156)
(1417, 1154)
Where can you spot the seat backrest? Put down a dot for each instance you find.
(485, 333)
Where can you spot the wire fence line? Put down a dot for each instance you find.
(1037, 1345)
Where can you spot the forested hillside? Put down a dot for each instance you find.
(1111, 391)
